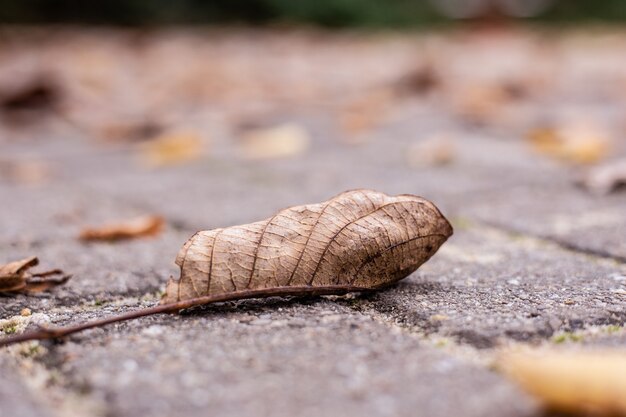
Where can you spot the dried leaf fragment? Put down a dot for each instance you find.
(129, 130)
(134, 228)
(421, 80)
(27, 101)
(276, 142)
(572, 381)
(15, 277)
(358, 239)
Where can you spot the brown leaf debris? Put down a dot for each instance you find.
(25, 102)
(358, 239)
(419, 81)
(15, 277)
(134, 228)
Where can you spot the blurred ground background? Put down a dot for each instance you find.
(513, 127)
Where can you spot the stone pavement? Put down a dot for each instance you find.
(534, 259)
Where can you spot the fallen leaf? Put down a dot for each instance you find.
(421, 80)
(15, 277)
(130, 131)
(23, 102)
(606, 178)
(172, 148)
(581, 144)
(577, 382)
(275, 142)
(359, 239)
(434, 151)
(138, 227)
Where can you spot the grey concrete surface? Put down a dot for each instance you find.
(311, 359)
(534, 260)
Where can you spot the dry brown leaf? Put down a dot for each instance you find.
(606, 178)
(134, 228)
(172, 148)
(572, 381)
(26, 101)
(358, 239)
(434, 151)
(579, 144)
(421, 80)
(129, 131)
(15, 277)
(276, 142)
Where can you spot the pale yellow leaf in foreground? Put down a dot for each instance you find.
(275, 142)
(572, 381)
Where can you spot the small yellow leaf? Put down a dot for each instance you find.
(578, 144)
(275, 142)
(172, 149)
(579, 382)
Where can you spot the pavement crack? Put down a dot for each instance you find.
(565, 245)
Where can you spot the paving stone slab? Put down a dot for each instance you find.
(215, 192)
(485, 286)
(560, 212)
(500, 279)
(316, 358)
(100, 271)
(16, 398)
(56, 211)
